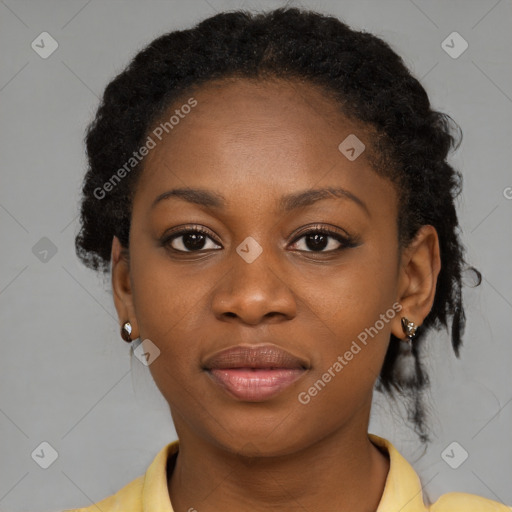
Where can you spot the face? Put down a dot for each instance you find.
(317, 278)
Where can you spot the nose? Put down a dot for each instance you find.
(254, 292)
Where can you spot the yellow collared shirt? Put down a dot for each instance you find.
(402, 491)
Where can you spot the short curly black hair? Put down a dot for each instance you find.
(362, 75)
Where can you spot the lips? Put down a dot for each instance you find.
(254, 373)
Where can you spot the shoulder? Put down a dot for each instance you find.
(404, 490)
(146, 492)
(463, 502)
(129, 495)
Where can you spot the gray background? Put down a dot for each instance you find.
(65, 374)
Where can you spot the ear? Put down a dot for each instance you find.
(419, 268)
(122, 286)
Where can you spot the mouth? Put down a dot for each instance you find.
(254, 374)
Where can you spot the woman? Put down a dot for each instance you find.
(272, 198)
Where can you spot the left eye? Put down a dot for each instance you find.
(318, 240)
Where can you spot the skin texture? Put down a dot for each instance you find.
(254, 142)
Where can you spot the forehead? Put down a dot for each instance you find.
(248, 114)
(251, 136)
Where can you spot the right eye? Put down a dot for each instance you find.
(189, 240)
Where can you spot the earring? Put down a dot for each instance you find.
(409, 329)
(126, 331)
(405, 367)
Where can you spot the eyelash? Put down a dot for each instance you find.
(345, 241)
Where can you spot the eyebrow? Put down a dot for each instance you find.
(287, 203)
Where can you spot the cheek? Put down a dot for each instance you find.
(166, 304)
(353, 296)
(347, 360)
(165, 296)
(354, 307)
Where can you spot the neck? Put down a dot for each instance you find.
(343, 471)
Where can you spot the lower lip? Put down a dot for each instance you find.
(255, 385)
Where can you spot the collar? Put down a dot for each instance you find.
(403, 490)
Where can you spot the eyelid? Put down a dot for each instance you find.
(305, 230)
(324, 228)
(186, 228)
